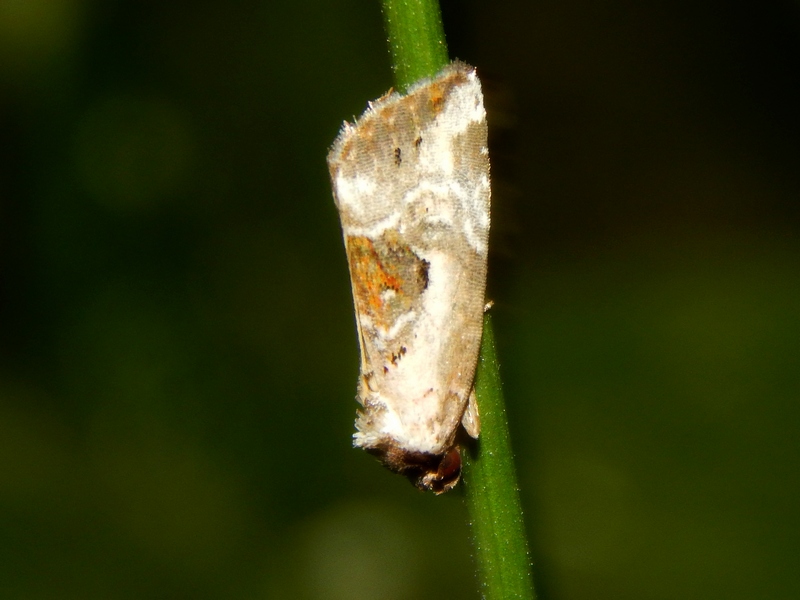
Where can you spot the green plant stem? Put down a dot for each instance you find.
(418, 48)
(416, 39)
(491, 492)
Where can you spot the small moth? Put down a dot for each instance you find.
(411, 182)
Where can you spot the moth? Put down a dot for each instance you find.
(411, 182)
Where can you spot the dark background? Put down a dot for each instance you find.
(177, 348)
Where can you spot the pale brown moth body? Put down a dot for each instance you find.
(411, 182)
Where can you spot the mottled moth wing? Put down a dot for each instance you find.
(411, 182)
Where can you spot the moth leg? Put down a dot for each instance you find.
(472, 419)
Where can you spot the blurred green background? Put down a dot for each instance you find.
(177, 347)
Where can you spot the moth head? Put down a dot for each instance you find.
(437, 473)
